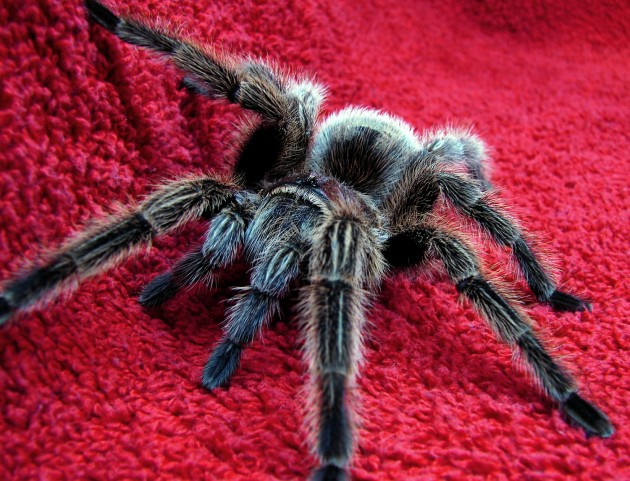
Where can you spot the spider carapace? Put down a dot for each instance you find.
(334, 204)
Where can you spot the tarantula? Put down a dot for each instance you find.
(334, 203)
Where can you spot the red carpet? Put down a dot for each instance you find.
(97, 388)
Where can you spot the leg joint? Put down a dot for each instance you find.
(463, 193)
(143, 222)
(408, 248)
(232, 94)
(469, 283)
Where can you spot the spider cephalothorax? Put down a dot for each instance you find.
(330, 203)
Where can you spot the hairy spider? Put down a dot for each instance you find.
(334, 203)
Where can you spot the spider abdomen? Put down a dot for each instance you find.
(364, 149)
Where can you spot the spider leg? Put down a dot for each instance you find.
(254, 308)
(108, 244)
(344, 259)
(507, 322)
(253, 85)
(467, 197)
(451, 146)
(275, 243)
(224, 238)
(288, 107)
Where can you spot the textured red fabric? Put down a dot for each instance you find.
(97, 388)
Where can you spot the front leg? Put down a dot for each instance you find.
(344, 261)
(112, 241)
(277, 257)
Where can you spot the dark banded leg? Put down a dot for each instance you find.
(506, 321)
(108, 244)
(275, 246)
(208, 72)
(339, 271)
(288, 108)
(224, 238)
(255, 306)
(470, 200)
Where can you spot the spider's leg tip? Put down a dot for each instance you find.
(158, 291)
(563, 302)
(222, 363)
(587, 416)
(102, 15)
(5, 310)
(190, 86)
(329, 472)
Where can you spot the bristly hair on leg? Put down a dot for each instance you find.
(223, 240)
(111, 241)
(345, 258)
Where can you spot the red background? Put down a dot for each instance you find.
(97, 388)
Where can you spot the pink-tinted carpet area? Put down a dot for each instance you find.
(94, 387)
